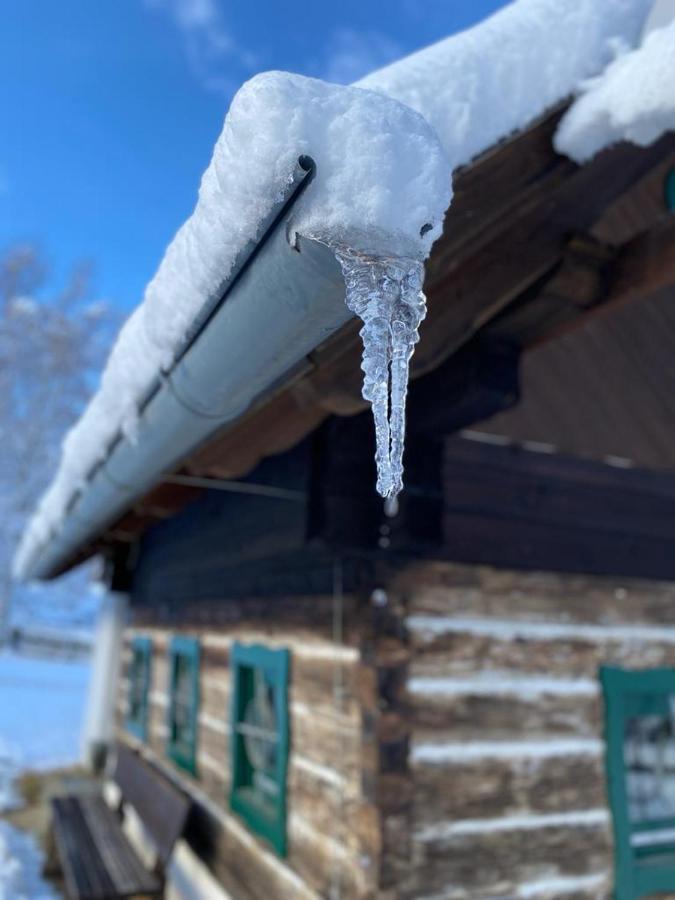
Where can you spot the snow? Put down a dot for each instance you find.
(20, 867)
(556, 886)
(662, 12)
(504, 684)
(42, 703)
(385, 150)
(383, 186)
(480, 86)
(427, 627)
(652, 838)
(432, 753)
(633, 100)
(582, 818)
(40, 710)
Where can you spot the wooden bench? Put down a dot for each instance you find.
(96, 858)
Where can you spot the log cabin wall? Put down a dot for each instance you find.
(331, 826)
(505, 793)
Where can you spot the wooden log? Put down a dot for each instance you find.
(322, 860)
(306, 617)
(507, 787)
(494, 864)
(446, 588)
(463, 653)
(493, 717)
(644, 266)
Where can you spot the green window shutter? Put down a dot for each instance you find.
(640, 760)
(184, 658)
(669, 190)
(260, 740)
(139, 687)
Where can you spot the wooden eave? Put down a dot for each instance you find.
(533, 244)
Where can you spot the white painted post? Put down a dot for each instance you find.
(99, 718)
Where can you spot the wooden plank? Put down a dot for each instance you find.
(85, 877)
(98, 860)
(162, 809)
(125, 869)
(515, 508)
(526, 544)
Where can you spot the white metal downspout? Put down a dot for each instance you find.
(98, 727)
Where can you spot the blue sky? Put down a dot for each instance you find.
(110, 108)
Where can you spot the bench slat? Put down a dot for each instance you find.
(98, 861)
(121, 861)
(83, 872)
(161, 806)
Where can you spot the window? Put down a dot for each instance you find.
(669, 190)
(260, 740)
(139, 686)
(640, 734)
(183, 702)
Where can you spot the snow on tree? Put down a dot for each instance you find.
(51, 345)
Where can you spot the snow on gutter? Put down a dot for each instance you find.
(199, 394)
(188, 361)
(385, 150)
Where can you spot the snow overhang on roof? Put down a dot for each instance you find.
(198, 394)
(384, 158)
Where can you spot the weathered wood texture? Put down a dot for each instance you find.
(590, 393)
(505, 790)
(229, 557)
(516, 507)
(332, 833)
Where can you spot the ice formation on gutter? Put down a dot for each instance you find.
(386, 294)
(633, 100)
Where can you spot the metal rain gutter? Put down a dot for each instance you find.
(285, 296)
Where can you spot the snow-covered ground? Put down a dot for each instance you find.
(20, 863)
(41, 706)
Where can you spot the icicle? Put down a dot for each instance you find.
(386, 294)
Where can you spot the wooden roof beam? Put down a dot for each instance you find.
(592, 278)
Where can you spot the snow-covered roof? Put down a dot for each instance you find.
(477, 87)
(632, 100)
(385, 150)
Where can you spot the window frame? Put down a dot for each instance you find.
(187, 648)
(669, 190)
(276, 664)
(138, 727)
(619, 687)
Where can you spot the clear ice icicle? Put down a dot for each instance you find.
(386, 294)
